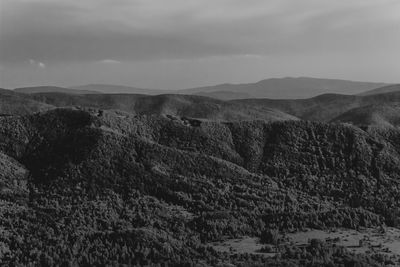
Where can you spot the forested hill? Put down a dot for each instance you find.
(107, 188)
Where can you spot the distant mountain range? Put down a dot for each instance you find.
(287, 88)
(275, 88)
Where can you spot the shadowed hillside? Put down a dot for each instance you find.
(160, 188)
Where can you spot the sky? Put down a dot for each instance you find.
(175, 44)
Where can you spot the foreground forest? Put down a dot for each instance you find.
(86, 186)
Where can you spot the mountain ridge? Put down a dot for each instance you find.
(53, 89)
(290, 87)
(274, 88)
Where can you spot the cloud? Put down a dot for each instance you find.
(207, 40)
(37, 63)
(110, 61)
(91, 30)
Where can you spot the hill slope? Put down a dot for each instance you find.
(123, 189)
(324, 107)
(224, 95)
(375, 115)
(382, 90)
(12, 103)
(119, 89)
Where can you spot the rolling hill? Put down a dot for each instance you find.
(324, 107)
(175, 105)
(224, 95)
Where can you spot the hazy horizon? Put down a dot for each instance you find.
(187, 43)
(185, 88)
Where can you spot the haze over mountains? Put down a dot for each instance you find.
(288, 88)
(275, 88)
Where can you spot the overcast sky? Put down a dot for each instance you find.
(176, 44)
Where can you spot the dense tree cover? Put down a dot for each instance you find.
(109, 188)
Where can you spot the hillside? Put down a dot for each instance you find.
(373, 115)
(383, 90)
(119, 89)
(124, 189)
(224, 95)
(12, 103)
(174, 105)
(324, 107)
(287, 88)
(53, 89)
